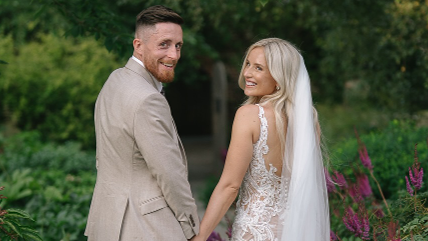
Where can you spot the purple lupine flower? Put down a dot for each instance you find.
(352, 221)
(214, 236)
(409, 188)
(340, 180)
(364, 185)
(365, 159)
(333, 236)
(229, 227)
(366, 227)
(357, 224)
(330, 185)
(416, 176)
(354, 192)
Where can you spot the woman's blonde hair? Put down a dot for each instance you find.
(283, 61)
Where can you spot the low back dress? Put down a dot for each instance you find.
(258, 206)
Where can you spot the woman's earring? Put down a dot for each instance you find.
(277, 88)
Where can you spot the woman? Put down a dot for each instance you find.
(274, 153)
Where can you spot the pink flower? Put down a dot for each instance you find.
(229, 227)
(364, 155)
(364, 185)
(340, 180)
(330, 185)
(416, 177)
(214, 236)
(357, 224)
(409, 188)
(365, 159)
(333, 236)
(354, 192)
(416, 174)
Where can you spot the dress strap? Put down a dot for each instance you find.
(263, 131)
(262, 115)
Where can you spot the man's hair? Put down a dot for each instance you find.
(157, 14)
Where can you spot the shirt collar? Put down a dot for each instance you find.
(157, 83)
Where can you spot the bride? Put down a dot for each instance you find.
(274, 159)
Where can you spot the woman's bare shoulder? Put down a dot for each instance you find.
(247, 112)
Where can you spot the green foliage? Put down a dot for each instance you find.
(28, 150)
(391, 153)
(11, 224)
(61, 204)
(19, 186)
(51, 85)
(346, 41)
(412, 213)
(363, 40)
(52, 182)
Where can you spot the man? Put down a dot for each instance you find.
(142, 191)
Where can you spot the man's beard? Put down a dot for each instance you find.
(164, 77)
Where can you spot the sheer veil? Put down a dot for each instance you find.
(305, 215)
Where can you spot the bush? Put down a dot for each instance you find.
(51, 85)
(27, 150)
(52, 182)
(391, 152)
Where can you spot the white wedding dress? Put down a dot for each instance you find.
(292, 206)
(258, 207)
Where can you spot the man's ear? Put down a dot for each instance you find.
(138, 46)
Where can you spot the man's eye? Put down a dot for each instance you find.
(163, 45)
(178, 46)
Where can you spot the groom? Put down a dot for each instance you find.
(142, 191)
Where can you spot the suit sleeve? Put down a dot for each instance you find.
(158, 143)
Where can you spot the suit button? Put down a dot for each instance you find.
(191, 220)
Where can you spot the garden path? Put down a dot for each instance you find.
(200, 157)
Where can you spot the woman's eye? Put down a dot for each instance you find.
(258, 68)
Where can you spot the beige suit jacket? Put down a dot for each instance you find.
(142, 190)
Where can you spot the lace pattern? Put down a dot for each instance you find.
(258, 206)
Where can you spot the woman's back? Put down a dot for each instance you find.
(258, 206)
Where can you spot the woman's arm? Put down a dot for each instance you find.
(245, 127)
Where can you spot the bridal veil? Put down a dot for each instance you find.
(305, 215)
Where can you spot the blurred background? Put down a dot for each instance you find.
(368, 63)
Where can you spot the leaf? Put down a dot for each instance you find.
(28, 232)
(263, 2)
(3, 62)
(38, 13)
(17, 213)
(14, 226)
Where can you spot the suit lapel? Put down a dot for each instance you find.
(140, 70)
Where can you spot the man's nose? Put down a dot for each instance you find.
(173, 53)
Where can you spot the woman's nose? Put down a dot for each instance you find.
(247, 72)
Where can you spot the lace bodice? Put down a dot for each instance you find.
(258, 208)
